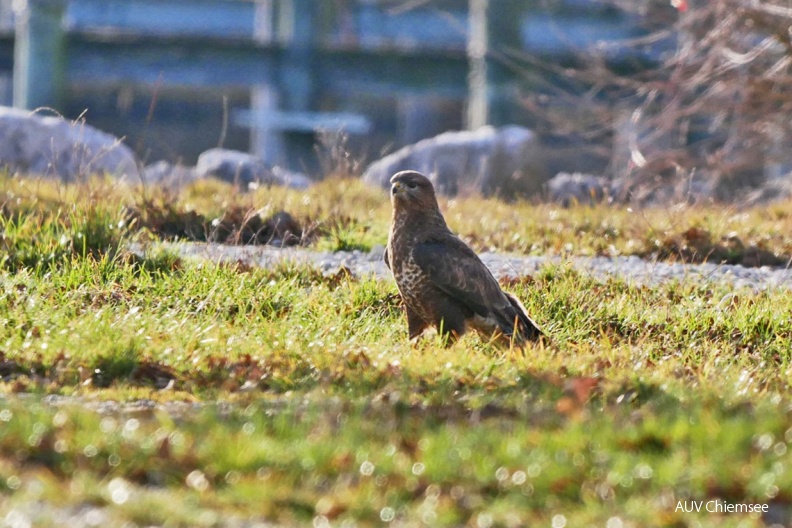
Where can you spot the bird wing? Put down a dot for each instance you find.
(453, 268)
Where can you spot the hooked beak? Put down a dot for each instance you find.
(397, 188)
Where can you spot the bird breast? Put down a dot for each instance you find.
(407, 274)
(410, 280)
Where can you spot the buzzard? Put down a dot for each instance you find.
(441, 280)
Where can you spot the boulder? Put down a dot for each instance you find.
(245, 170)
(773, 190)
(506, 162)
(167, 174)
(55, 147)
(566, 188)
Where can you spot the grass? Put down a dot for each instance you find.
(312, 407)
(345, 214)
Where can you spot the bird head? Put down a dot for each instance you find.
(412, 189)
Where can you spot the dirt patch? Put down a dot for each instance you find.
(697, 245)
(238, 225)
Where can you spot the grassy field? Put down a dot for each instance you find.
(306, 405)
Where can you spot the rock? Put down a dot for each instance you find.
(773, 190)
(169, 175)
(231, 166)
(245, 170)
(506, 162)
(55, 147)
(566, 188)
(287, 178)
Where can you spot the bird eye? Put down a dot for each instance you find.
(412, 185)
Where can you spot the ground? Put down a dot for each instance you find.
(150, 390)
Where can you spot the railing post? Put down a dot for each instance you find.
(297, 34)
(39, 53)
(266, 143)
(291, 24)
(494, 30)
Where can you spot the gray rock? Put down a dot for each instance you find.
(245, 170)
(488, 161)
(773, 190)
(169, 175)
(566, 188)
(295, 180)
(55, 147)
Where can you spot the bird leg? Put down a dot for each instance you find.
(450, 329)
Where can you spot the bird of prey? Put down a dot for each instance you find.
(441, 280)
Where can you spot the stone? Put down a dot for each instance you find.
(245, 170)
(169, 175)
(54, 147)
(567, 189)
(287, 178)
(773, 190)
(505, 162)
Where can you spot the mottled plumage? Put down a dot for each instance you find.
(441, 280)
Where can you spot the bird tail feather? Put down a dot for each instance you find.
(521, 327)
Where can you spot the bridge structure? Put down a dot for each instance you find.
(278, 72)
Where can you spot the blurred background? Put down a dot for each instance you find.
(650, 93)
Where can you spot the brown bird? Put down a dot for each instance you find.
(441, 280)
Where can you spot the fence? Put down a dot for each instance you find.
(291, 67)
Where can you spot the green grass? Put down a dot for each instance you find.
(314, 407)
(345, 214)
